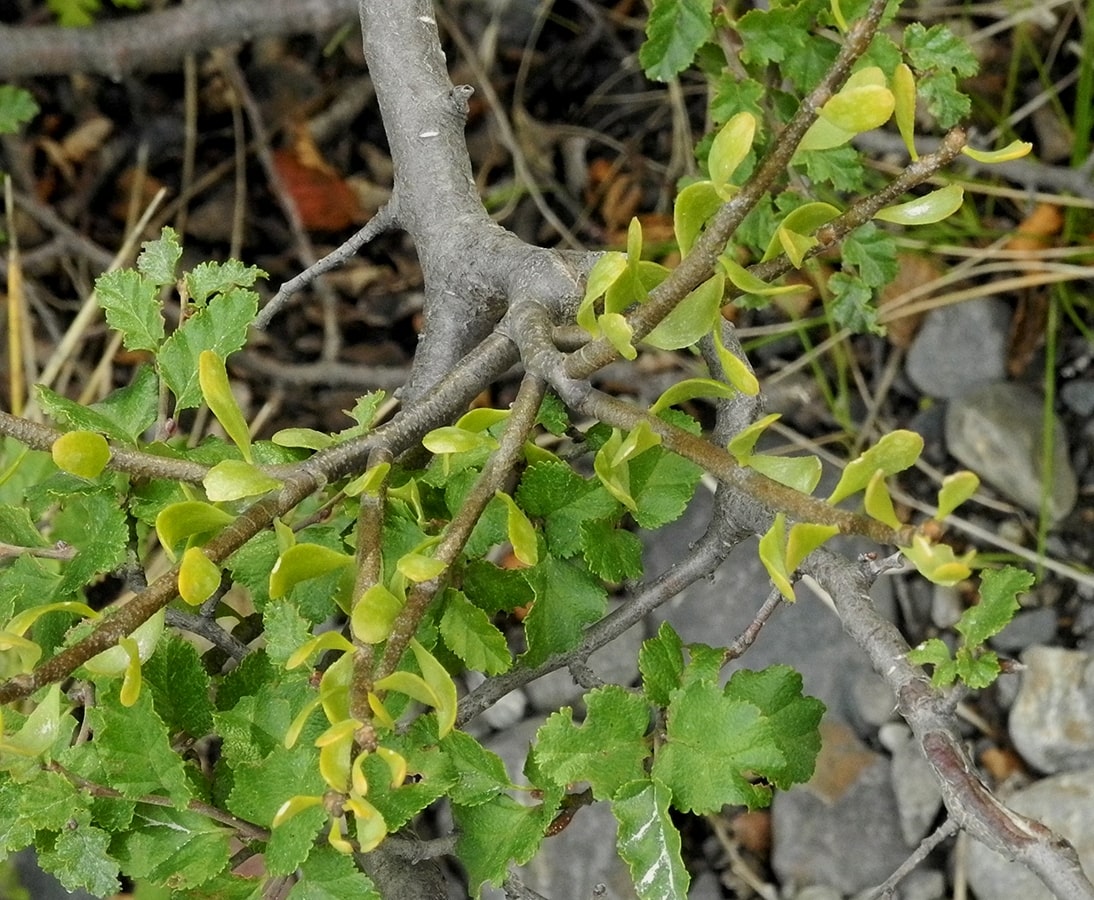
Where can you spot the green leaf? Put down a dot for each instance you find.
(691, 318)
(717, 743)
(691, 388)
(619, 333)
(741, 444)
(180, 687)
(608, 268)
(840, 166)
(220, 327)
(479, 774)
(649, 841)
(661, 662)
(374, 614)
(567, 599)
(799, 223)
(933, 652)
(116, 660)
(258, 792)
(81, 453)
(491, 835)
(92, 521)
(209, 278)
(852, 306)
(554, 492)
(860, 108)
(329, 875)
(904, 95)
(124, 414)
(302, 562)
(944, 101)
(608, 749)
(158, 259)
(521, 533)
(745, 281)
(662, 484)
(736, 370)
(805, 537)
(17, 107)
(132, 306)
(925, 210)
(610, 552)
(731, 145)
(80, 859)
(999, 590)
(674, 33)
(469, 633)
(894, 452)
(451, 439)
(693, 208)
(938, 48)
(217, 391)
(175, 848)
(132, 750)
(873, 254)
(955, 490)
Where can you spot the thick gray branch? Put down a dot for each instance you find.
(159, 40)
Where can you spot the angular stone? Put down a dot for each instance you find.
(1065, 803)
(960, 347)
(996, 432)
(849, 803)
(1052, 720)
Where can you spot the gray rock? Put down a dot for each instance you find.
(1027, 628)
(806, 635)
(996, 432)
(1065, 803)
(1052, 720)
(918, 795)
(960, 347)
(1078, 396)
(849, 803)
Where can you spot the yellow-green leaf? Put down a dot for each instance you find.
(418, 567)
(371, 827)
(39, 730)
(292, 806)
(374, 614)
(895, 452)
(441, 684)
(638, 440)
(369, 482)
(748, 283)
(82, 453)
(213, 378)
(742, 443)
(772, 552)
(450, 439)
(301, 562)
(19, 624)
(937, 562)
(328, 640)
(805, 537)
(694, 206)
(634, 245)
(955, 490)
(199, 577)
(691, 388)
(482, 418)
(796, 230)
(522, 535)
(692, 317)
(306, 438)
(877, 501)
(802, 473)
(736, 371)
(115, 660)
(619, 333)
(396, 764)
(131, 682)
(604, 273)
(925, 210)
(186, 519)
(904, 110)
(823, 135)
(414, 686)
(234, 479)
(730, 147)
(1013, 150)
(860, 108)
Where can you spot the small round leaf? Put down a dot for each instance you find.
(82, 453)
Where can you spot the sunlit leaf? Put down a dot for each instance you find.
(1013, 150)
(734, 368)
(772, 552)
(369, 481)
(904, 110)
(796, 229)
(694, 206)
(805, 537)
(802, 473)
(893, 453)
(292, 806)
(188, 518)
(328, 640)
(418, 567)
(217, 391)
(115, 660)
(306, 438)
(925, 210)
(742, 443)
(521, 533)
(878, 503)
(619, 333)
(689, 389)
(374, 614)
(937, 562)
(604, 273)
(748, 283)
(730, 147)
(301, 562)
(82, 453)
(441, 684)
(859, 109)
(450, 439)
(482, 418)
(234, 479)
(955, 490)
(692, 317)
(199, 577)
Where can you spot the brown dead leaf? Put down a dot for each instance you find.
(1037, 229)
(86, 138)
(913, 271)
(322, 197)
(1027, 332)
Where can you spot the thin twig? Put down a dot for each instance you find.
(925, 848)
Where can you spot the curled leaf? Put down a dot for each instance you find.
(1013, 150)
(301, 562)
(925, 210)
(199, 577)
(730, 147)
(955, 490)
(217, 391)
(374, 614)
